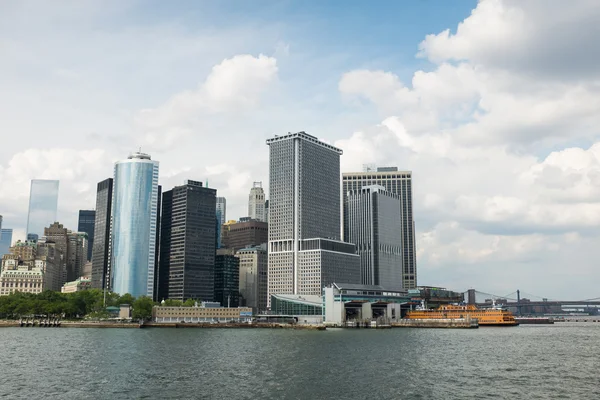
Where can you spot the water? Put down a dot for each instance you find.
(557, 361)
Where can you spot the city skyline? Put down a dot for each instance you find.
(499, 131)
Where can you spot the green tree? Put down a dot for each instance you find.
(142, 308)
(125, 299)
(173, 303)
(189, 303)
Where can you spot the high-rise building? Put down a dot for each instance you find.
(253, 277)
(101, 245)
(256, 202)
(73, 245)
(221, 208)
(398, 183)
(374, 225)
(227, 278)
(305, 251)
(187, 246)
(43, 206)
(267, 211)
(87, 219)
(5, 240)
(135, 216)
(244, 234)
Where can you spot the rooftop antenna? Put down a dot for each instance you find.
(206, 183)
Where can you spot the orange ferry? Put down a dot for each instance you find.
(486, 316)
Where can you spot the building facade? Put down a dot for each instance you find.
(77, 285)
(221, 208)
(227, 279)
(134, 226)
(187, 248)
(374, 225)
(21, 278)
(73, 245)
(5, 240)
(102, 228)
(43, 206)
(400, 184)
(205, 312)
(256, 202)
(239, 235)
(253, 277)
(304, 247)
(87, 220)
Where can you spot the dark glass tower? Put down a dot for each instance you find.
(227, 280)
(187, 243)
(87, 219)
(101, 236)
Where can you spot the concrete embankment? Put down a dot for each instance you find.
(457, 323)
(91, 324)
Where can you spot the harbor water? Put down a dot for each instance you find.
(557, 361)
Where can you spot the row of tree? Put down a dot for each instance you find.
(89, 303)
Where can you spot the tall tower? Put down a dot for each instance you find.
(187, 243)
(101, 244)
(221, 208)
(305, 251)
(375, 227)
(398, 183)
(134, 230)
(87, 219)
(256, 202)
(43, 205)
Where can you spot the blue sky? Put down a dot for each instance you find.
(497, 117)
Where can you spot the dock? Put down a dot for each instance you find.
(447, 323)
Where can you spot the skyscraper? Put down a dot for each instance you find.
(227, 278)
(134, 225)
(374, 225)
(87, 219)
(5, 241)
(398, 183)
(256, 202)
(187, 247)
(102, 225)
(221, 207)
(43, 205)
(253, 277)
(305, 251)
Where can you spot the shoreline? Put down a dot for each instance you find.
(132, 325)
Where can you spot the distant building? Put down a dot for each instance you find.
(135, 218)
(305, 251)
(87, 220)
(239, 235)
(221, 208)
(187, 247)
(43, 206)
(102, 228)
(77, 285)
(21, 278)
(253, 277)
(73, 245)
(400, 184)
(372, 222)
(5, 240)
(227, 279)
(267, 211)
(205, 312)
(256, 202)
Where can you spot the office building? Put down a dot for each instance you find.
(374, 225)
(227, 278)
(400, 184)
(135, 216)
(305, 251)
(102, 226)
(5, 240)
(253, 277)
(87, 219)
(221, 208)
(244, 234)
(187, 247)
(43, 206)
(267, 211)
(73, 246)
(203, 312)
(21, 278)
(77, 285)
(256, 202)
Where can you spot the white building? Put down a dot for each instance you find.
(21, 278)
(305, 251)
(256, 202)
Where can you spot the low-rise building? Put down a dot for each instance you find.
(21, 278)
(77, 285)
(201, 313)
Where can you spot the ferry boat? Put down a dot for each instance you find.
(494, 316)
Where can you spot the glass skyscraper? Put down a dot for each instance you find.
(5, 241)
(87, 219)
(101, 246)
(135, 220)
(43, 205)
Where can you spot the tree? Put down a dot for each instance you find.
(189, 303)
(173, 303)
(125, 299)
(142, 308)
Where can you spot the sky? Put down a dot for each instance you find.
(493, 105)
